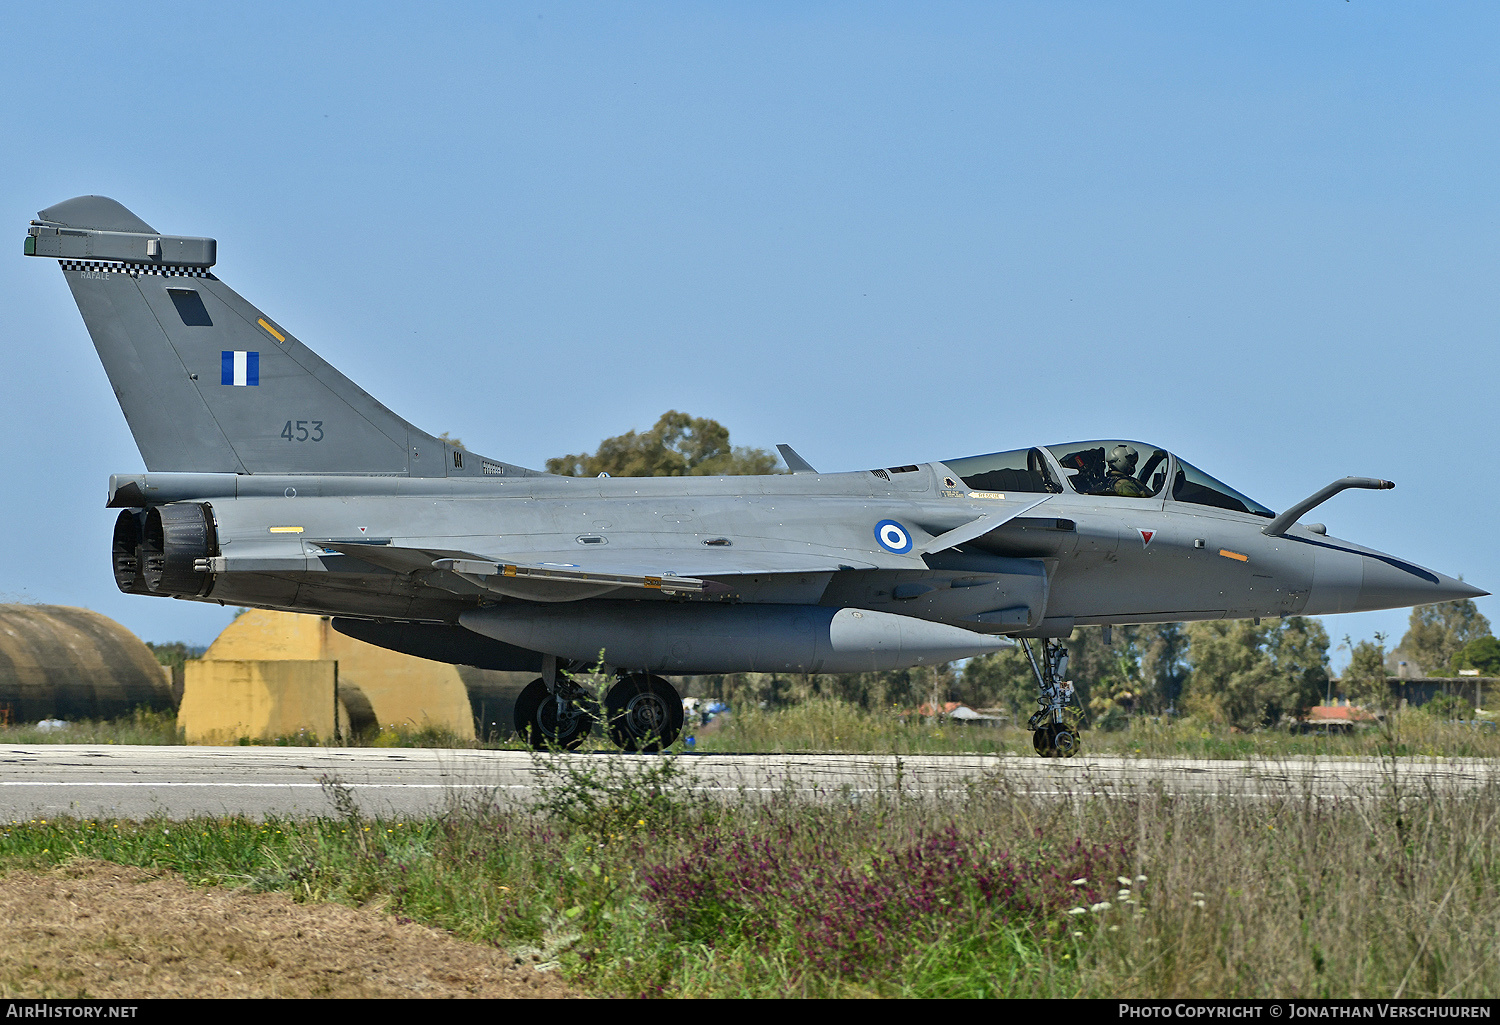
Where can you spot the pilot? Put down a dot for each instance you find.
(1120, 480)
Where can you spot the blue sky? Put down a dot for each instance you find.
(1263, 236)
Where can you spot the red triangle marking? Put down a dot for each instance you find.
(1146, 536)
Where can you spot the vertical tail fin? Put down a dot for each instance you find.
(209, 383)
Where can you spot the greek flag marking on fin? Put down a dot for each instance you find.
(239, 368)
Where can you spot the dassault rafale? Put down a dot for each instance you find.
(275, 482)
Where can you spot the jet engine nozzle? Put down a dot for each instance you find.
(125, 553)
(175, 539)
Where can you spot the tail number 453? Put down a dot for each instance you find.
(303, 430)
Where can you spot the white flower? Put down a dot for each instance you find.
(1079, 934)
(1124, 894)
(1103, 905)
(1197, 894)
(1079, 911)
(1123, 880)
(1140, 879)
(1114, 928)
(1079, 882)
(1198, 904)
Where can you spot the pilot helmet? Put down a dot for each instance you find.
(1122, 459)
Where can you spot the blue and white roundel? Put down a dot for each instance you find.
(893, 537)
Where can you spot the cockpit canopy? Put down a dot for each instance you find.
(1114, 469)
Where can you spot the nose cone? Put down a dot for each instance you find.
(1392, 584)
(1350, 578)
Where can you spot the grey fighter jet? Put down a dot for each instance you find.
(274, 481)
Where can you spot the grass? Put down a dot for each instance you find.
(633, 886)
(825, 725)
(143, 726)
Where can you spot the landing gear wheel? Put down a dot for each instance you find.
(1054, 741)
(527, 703)
(543, 726)
(1041, 741)
(1053, 727)
(644, 713)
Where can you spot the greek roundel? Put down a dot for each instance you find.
(893, 537)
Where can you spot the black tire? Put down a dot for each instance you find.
(539, 725)
(527, 703)
(1066, 743)
(1041, 741)
(644, 713)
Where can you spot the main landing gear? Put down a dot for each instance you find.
(642, 712)
(645, 713)
(553, 711)
(1052, 734)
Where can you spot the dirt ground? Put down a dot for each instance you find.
(94, 929)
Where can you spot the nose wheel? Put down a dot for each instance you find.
(1052, 741)
(1053, 735)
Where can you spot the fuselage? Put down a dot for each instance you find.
(808, 539)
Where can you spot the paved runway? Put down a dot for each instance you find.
(178, 782)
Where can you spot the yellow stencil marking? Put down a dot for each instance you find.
(286, 530)
(653, 582)
(1236, 556)
(509, 571)
(274, 333)
(986, 494)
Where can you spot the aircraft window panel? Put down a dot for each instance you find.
(1024, 471)
(1115, 469)
(1198, 488)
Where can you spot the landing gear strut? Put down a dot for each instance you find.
(553, 711)
(1053, 736)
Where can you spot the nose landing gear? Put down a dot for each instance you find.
(1052, 736)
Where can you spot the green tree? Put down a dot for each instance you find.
(1249, 675)
(1436, 633)
(1164, 648)
(876, 691)
(1482, 653)
(1142, 669)
(174, 653)
(1365, 679)
(678, 446)
(1001, 679)
(1106, 677)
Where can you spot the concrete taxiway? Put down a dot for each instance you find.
(180, 782)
